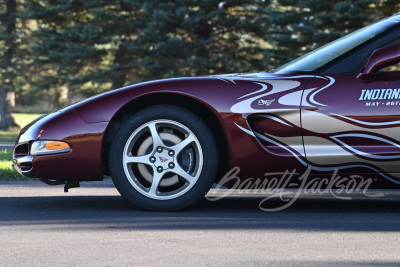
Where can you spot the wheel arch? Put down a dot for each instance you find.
(202, 110)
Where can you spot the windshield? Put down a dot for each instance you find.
(335, 49)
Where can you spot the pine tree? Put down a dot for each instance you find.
(84, 43)
(385, 8)
(299, 26)
(61, 42)
(203, 37)
(10, 46)
(117, 48)
(97, 45)
(160, 39)
(153, 39)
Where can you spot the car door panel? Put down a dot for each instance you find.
(353, 124)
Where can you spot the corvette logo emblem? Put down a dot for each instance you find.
(162, 159)
(268, 103)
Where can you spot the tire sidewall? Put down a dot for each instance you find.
(199, 129)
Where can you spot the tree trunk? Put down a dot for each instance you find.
(119, 79)
(70, 95)
(7, 121)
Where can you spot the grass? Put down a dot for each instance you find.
(8, 136)
(21, 119)
(7, 172)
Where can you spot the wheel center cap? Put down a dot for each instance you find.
(163, 159)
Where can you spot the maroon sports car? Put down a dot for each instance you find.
(164, 143)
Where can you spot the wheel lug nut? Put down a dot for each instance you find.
(159, 149)
(171, 153)
(171, 165)
(152, 159)
(160, 169)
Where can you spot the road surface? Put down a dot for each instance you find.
(92, 225)
(8, 146)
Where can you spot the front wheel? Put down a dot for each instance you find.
(163, 158)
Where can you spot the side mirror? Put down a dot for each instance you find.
(379, 59)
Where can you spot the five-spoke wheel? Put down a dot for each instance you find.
(163, 158)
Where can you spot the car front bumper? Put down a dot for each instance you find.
(81, 163)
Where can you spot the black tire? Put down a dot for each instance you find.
(131, 181)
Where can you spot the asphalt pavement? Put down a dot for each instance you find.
(41, 225)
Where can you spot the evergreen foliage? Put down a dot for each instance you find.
(92, 46)
(297, 27)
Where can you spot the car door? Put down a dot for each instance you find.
(352, 124)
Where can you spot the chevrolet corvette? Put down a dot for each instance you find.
(164, 143)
